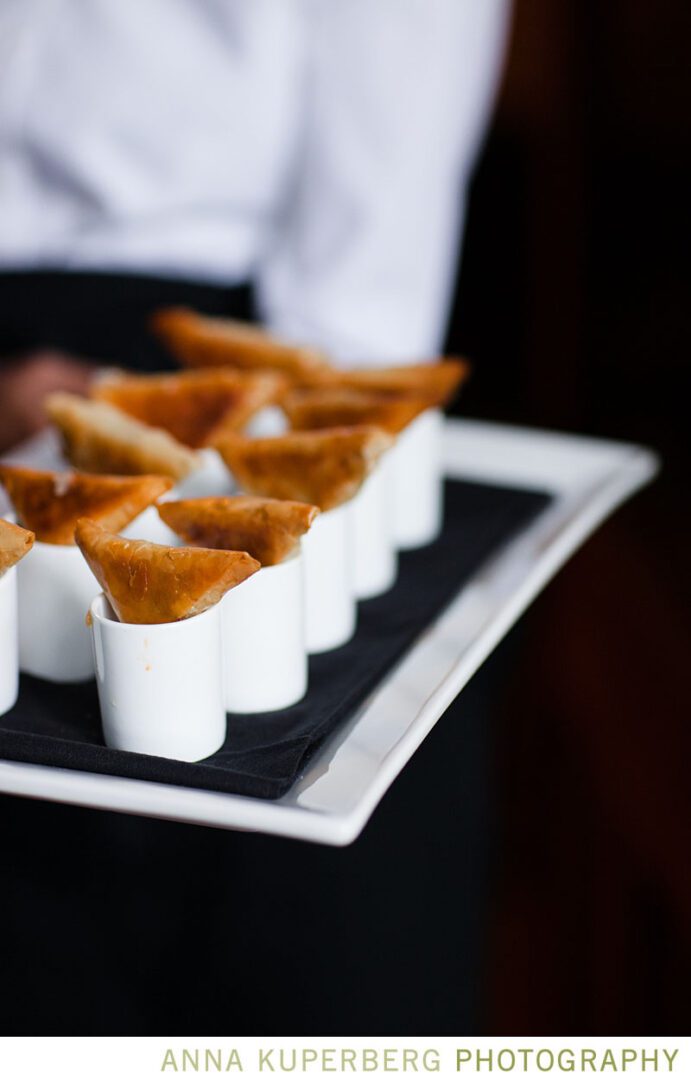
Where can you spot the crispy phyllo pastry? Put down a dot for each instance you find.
(325, 468)
(269, 529)
(15, 543)
(437, 382)
(50, 503)
(150, 583)
(99, 438)
(205, 341)
(193, 406)
(335, 406)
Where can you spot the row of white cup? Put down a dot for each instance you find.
(249, 653)
(350, 553)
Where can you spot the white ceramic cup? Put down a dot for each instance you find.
(414, 477)
(55, 588)
(160, 686)
(330, 611)
(263, 626)
(375, 560)
(9, 642)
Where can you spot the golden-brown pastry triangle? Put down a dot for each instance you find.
(335, 406)
(50, 503)
(150, 583)
(325, 468)
(436, 382)
(269, 529)
(205, 341)
(99, 438)
(15, 543)
(193, 406)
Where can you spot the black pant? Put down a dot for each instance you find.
(122, 925)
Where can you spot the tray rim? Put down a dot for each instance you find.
(348, 777)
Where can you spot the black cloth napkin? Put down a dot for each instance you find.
(264, 754)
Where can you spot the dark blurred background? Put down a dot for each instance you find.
(574, 302)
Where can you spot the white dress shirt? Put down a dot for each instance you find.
(321, 148)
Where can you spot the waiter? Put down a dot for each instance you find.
(304, 162)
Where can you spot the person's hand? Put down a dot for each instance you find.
(24, 383)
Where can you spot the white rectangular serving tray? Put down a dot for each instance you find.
(332, 802)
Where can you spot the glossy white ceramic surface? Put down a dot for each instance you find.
(160, 687)
(264, 652)
(343, 784)
(55, 590)
(9, 640)
(414, 479)
(330, 608)
(373, 552)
